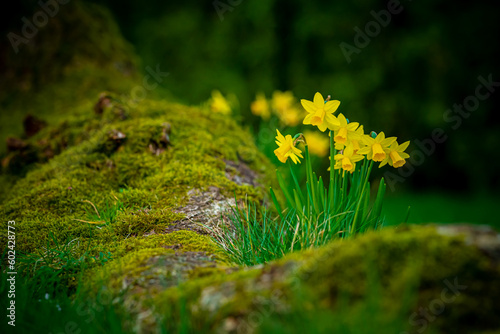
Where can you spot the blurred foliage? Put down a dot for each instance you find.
(68, 62)
(440, 207)
(425, 60)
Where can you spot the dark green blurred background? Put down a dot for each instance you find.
(427, 59)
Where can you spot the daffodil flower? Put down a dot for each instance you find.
(284, 105)
(347, 159)
(376, 147)
(219, 103)
(286, 148)
(343, 131)
(338, 164)
(260, 107)
(282, 101)
(396, 155)
(357, 142)
(320, 113)
(318, 143)
(354, 139)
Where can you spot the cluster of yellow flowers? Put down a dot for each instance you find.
(282, 104)
(351, 143)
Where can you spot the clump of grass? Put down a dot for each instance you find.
(106, 215)
(312, 217)
(54, 269)
(59, 313)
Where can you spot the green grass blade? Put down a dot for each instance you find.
(377, 206)
(276, 203)
(284, 189)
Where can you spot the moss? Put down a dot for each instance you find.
(102, 146)
(158, 258)
(143, 221)
(403, 258)
(180, 241)
(138, 170)
(397, 271)
(129, 269)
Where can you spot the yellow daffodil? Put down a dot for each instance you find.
(284, 105)
(317, 143)
(282, 101)
(347, 159)
(354, 139)
(286, 148)
(320, 113)
(291, 117)
(396, 155)
(219, 103)
(338, 164)
(376, 147)
(260, 107)
(357, 142)
(344, 132)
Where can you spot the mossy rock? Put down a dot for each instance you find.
(102, 170)
(165, 167)
(379, 280)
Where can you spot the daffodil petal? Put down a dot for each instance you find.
(357, 157)
(322, 127)
(319, 101)
(332, 106)
(308, 106)
(307, 119)
(342, 120)
(280, 136)
(331, 121)
(403, 146)
(352, 126)
(388, 141)
(364, 150)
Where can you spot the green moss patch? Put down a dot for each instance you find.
(381, 277)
